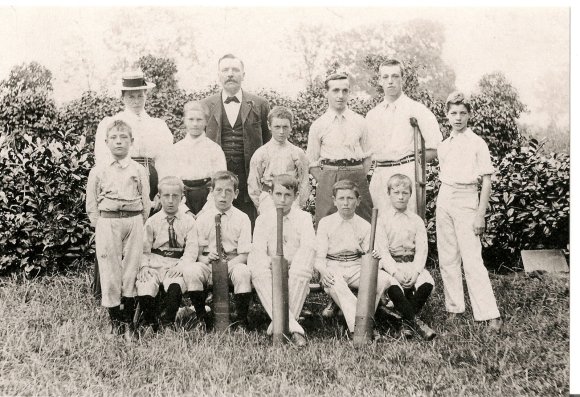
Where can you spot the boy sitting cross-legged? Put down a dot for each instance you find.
(169, 248)
(402, 248)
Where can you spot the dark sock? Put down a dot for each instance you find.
(128, 309)
(148, 308)
(421, 296)
(402, 304)
(243, 302)
(198, 302)
(172, 302)
(116, 315)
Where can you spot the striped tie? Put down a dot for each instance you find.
(172, 236)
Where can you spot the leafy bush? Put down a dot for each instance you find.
(43, 225)
(46, 154)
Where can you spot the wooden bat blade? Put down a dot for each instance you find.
(280, 311)
(365, 304)
(221, 296)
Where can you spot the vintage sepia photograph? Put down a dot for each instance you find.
(307, 200)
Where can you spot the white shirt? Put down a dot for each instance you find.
(236, 231)
(151, 136)
(390, 131)
(232, 108)
(338, 136)
(463, 158)
(192, 159)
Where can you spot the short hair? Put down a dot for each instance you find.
(225, 176)
(457, 98)
(230, 56)
(345, 184)
(399, 180)
(287, 181)
(280, 112)
(393, 62)
(335, 76)
(170, 181)
(197, 105)
(120, 125)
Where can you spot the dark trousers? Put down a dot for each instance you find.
(196, 197)
(243, 201)
(410, 301)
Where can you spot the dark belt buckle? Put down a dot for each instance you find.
(126, 214)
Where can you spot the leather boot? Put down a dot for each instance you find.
(242, 306)
(172, 302)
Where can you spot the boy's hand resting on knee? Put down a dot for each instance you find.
(144, 275)
(375, 254)
(174, 272)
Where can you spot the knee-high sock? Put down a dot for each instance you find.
(421, 296)
(242, 302)
(128, 309)
(198, 302)
(172, 301)
(147, 303)
(401, 303)
(263, 286)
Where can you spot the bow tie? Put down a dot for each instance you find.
(231, 99)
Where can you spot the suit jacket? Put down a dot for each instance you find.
(254, 113)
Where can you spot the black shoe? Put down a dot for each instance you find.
(407, 331)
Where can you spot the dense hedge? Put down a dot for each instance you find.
(46, 153)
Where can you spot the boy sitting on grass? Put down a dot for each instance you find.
(341, 240)
(402, 249)
(169, 248)
(464, 161)
(298, 246)
(117, 204)
(236, 240)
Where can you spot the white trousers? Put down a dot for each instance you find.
(347, 275)
(378, 186)
(159, 267)
(119, 248)
(198, 276)
(299, 275)
(457, 243)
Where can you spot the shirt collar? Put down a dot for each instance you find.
(123, 163)
(228, 213)
(197, 140)
(393, 211)
(237, 95)
(465, 133)
(333, 114)
(396, 103)
(132, 116)
(177, 215)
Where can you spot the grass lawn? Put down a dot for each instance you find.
(52, 343)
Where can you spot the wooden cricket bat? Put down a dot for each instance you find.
(280, 309)
(221, 295)
(420, 171)
(367, 292)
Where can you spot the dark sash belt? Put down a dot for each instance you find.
(196, 183)
(341, 162)
(403, 258)
(388, 163)
(119, 214)
(175, 253)
(344, 257)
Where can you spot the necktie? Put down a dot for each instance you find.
(172, 236)
(223, 217)
(231, 99)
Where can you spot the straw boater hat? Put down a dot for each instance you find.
(134, 80)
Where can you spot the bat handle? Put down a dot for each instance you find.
(279, 231)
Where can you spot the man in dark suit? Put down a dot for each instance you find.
(239, 124)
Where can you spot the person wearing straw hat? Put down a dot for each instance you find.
(151, 135)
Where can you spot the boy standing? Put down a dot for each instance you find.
(117, 205)
(464, 160)
(341, 240)
(278, 156)
(169, 247)
(402, 248)
(236, 238)
(195, 158)
(298, 250)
